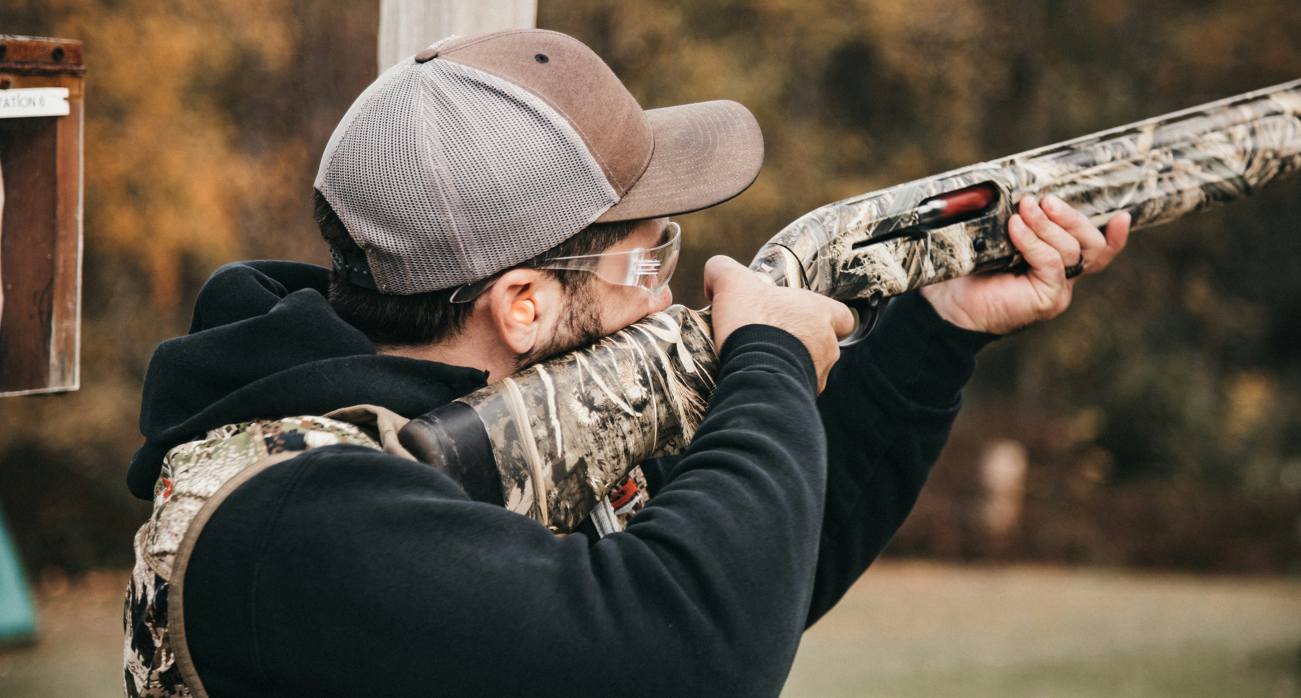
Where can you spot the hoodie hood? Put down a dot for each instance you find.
(265, 343)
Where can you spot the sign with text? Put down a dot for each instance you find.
(34, 101)
(42, 109)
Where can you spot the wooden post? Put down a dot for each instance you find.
(407, 26)
(41, 108)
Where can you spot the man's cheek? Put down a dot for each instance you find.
(637, 304)
(665, 299)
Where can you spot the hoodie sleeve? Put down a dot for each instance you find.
(351, 572)
(887, 409)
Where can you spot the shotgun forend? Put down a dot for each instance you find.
(560, 434)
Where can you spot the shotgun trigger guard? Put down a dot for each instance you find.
(867, 311)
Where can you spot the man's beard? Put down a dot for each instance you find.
(580, 327)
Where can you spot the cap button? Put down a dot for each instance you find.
(427, 55)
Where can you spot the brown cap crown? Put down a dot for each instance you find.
(571, 78)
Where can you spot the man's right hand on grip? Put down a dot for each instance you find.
(741, 297)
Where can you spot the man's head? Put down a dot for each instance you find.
(469, 168)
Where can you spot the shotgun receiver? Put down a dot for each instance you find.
(550, 441)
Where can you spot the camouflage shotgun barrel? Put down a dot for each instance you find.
(550, 441)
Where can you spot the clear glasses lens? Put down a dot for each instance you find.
(648, 268)
(652, 269)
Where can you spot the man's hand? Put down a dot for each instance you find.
(1051, 237)
(741, 297)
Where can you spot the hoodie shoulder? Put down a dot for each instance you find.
(241, 290)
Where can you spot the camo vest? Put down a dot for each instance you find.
(197, 477)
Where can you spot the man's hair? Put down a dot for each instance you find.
(422, 318)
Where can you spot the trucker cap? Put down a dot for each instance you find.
(481, 152)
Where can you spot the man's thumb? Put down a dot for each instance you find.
(718, 270)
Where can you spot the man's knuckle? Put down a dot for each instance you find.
(1045, 303)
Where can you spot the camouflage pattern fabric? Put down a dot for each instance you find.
(191, 474)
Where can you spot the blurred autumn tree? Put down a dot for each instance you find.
(1168, 394)
(204, 123)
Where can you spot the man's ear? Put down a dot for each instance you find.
(517, 304)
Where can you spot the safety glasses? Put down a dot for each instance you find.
(648, 268)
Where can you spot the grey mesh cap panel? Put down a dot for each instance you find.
(327, 155)
(445, 174)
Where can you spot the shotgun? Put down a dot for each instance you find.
(552, 441)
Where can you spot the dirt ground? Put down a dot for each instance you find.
(907, 629)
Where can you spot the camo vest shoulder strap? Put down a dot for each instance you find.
(196, 478)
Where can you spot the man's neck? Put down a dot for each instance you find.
(464, 349)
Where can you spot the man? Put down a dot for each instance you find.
(493, 201)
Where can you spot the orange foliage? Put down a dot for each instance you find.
(164, 173)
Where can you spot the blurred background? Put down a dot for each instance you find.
(1119, 510)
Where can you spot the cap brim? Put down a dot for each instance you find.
(705, 154)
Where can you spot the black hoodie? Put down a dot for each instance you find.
(346, 571)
